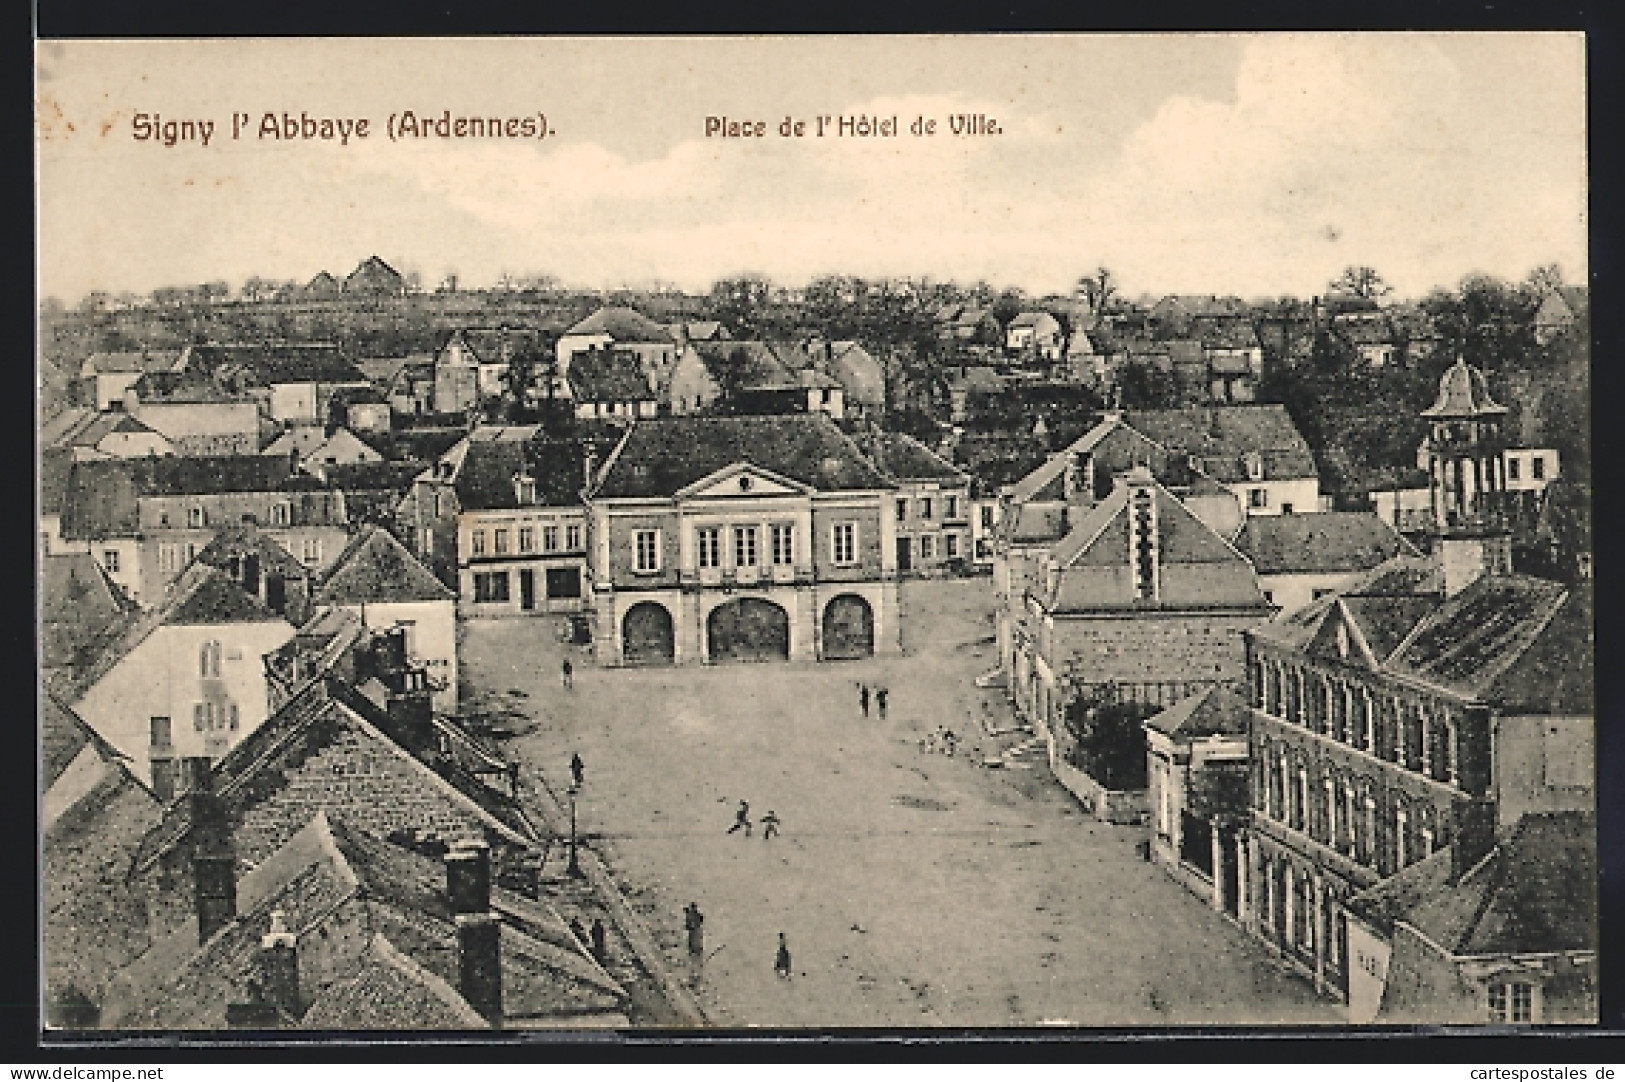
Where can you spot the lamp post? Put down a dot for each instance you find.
(574, 868)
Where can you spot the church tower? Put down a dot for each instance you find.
(1467, 478)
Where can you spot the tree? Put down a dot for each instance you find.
(1142, 386)
(1096, 291)
(1108, 742)
(1362, 281)
(517, 380)
(1487, 321)
(740, 304)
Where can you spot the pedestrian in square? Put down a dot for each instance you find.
(600, 941)
(880, 702)
(694, 921)
(569, 674)
(781, 960)
(578, 770)
(863, 698)
(770, 824)
(741, 819)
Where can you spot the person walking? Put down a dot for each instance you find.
(741, 819)
(880, 702)
(770, 824)
(781, 960)
(569, 674)
(600, 942)
(694, 921)
(578, 770)
(863, 698)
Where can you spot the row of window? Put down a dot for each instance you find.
(928, 546)
(647, 557)
(1414, 734)
(493, 587)
(198, 517)
(501, 539)
(950, 508)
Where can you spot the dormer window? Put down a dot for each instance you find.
(525, 489)
(195, 518)
(1253, 463)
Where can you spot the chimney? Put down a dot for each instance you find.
(479, 950)
(1144, 553)
(589, 466)
(214, 864)
(279, 966)
(1474, 837)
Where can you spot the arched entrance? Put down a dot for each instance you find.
(646, 635)
(748, 629)
(849, 628)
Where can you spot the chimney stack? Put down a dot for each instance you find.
(214, 864)
(589, 466)
(479, 949)
(279, 966)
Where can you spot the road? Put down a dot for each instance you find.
(914, 888)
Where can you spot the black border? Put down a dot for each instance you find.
(19, 1029)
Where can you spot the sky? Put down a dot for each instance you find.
(1258, 165)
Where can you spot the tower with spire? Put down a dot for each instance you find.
(1467, 477)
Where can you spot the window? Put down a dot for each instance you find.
(987, 516)
(784, 544)
(572, 537)
(950, 507)
(208, 659)
(110, 560)
(844, 542)
(550, 538)
(527, 490)
(1537, 468)
(501, 542)
(161, 735)
(1513, 465)
(281, 514)
(310, 550)
(426, 541)
(710, 546)
(950, 546)
(902, 510)
(1286, 509)
(1254, 463)
(163, 518)
(1258, 497)
(476, 542)
(198, 717)
(1511, 1001)
(232, 715)
(527, 539)
(744, 546)
(491, 586)
(195, 518)
(646, 550)
(925, 508)
(928, 547)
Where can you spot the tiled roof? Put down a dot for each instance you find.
(375, 568)
(1216, 711)
(622, 325)
(237, 539)
(608, 375)
(1220, 436)
(1471, 639)
(1364, 332)
(102, 495)
(902, 457)
(1225, 332)
(661, 457)
(282, 362)
(976, 379)
(1329, 541)
(485, 480)
(158, 360)
(1032, 319)
(1463, 392)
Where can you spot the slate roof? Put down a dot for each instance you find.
(390, 475)
(622, 324)
(102, 497)
(279, 362)
(376, 568)
(902, 457)
(1215, 711)
(761, 366)
(1033, 319)
(1463, 392)
(373, 274)
(55, 479)
(658, 458)
(485, 480)
(1536, 893)
(1329, 541)
(385, 940)
(63, 735)
(237, 538)
(1219, 437)
(1364, 332)
(608, 375)
(79, 607)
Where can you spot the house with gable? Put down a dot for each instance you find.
(1233, 356)
(609, 383)
(292, 380)
(1302, 558)
(108, 375)
(376, 578)
(184, 679)
(263, 568)
(1038, 332)
(861, 376)
(80, 608)
(373, 277)
(626, 329)
(88, 435)
(322, 287)
(718, 538)
(931, 506)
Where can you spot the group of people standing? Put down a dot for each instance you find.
(694, 922)
(881, 695)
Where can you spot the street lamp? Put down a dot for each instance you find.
(574, 869)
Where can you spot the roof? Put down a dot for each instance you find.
(102, 497)
(1225, 332)
(56, 467)
(373, 272)
(157, 360)
(1196, 568)
(608, 375)
(80, 606)
(976, 379)
(1463, 392)
(63, 735)
(1325, 542)
(761, 366)
(299, 441)
(1215, 711)
(1032, 319)
(621, 324)
(280, 362)
(1219, 437)
(376, 568)
(237, 539)
(486, 477)
(1364, 332)
(904, 458)
(386, 941)
(1535, 893)
(663, 456)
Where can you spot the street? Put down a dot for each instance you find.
(914, 888)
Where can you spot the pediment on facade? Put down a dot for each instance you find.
(742, 481)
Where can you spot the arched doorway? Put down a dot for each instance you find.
(748, 629)
(646, 635)
(849, 628)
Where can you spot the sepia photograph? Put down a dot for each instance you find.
(958, 532)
